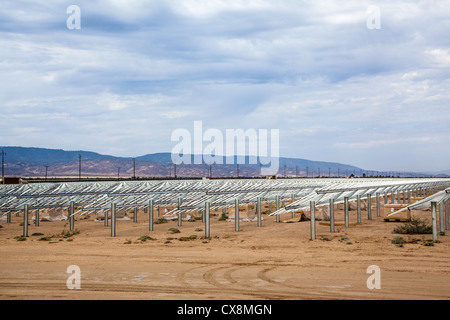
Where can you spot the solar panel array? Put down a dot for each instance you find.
(191, 195)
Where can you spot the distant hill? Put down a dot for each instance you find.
(49, 156)
(31, 162)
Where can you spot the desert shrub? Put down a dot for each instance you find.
(398, 240)
(36, 234)
(415, 226)
(67, 234)
(127, 241)
(47, 238)
(198, 229)
(193, 237)
(174, 230)
(20, 238)
(428, 243)
(160, 220)
(145, 238)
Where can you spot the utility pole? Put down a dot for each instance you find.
(329, 172)
(118, 173)
(307, 172)
(134, 168)
(237, 170)
(79, 167)
(319, 172)
(210, 170)
(46, 172)
(175, 170)
(296, 171)
(3, 166)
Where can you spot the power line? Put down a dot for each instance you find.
(79, 167)
(3, 166)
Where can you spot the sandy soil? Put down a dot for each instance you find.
(275, 261)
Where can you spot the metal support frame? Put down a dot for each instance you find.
(150, 215)
(36, 218)
(331, 207)
(106, 217)
(72, 215)
(369, 206)
(346, 217)
(433, 220)
(25, 221)
(312, 206)
(358, 208)
(258, 211)
(293, 211)
(207, 220)
(179, 213)
(135, 217)
(113, 219)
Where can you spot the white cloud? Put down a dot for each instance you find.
(312, 69)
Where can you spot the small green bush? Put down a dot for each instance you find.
(20, 238)
(36, 234)
(174, 230)
(145, 238)
(198, 229)
(398, 240)
(415, 226)
(160, 220)
(67, 234)
(127, 241)
(193, 237)
(47, 238)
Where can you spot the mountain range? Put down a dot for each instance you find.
(34, 162)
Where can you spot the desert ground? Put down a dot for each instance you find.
(275, 261)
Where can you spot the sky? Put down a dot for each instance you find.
(336, 89)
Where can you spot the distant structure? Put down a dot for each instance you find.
(13, 180)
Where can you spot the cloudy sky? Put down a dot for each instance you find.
(138, 70)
